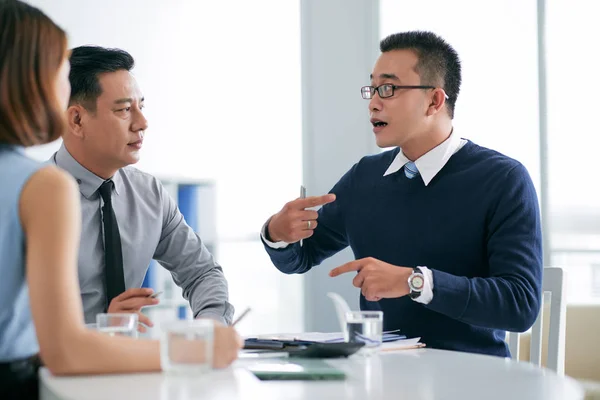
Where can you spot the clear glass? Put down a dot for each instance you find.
(365, 327)
(187, 346)
(117, 324)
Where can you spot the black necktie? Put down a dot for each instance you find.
(113, 256)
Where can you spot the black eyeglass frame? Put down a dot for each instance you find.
(373, 89)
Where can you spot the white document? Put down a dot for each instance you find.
(323, 337)
(402, 344)
(312, 336)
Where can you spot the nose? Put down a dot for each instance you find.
(375, 104)
(140, 123)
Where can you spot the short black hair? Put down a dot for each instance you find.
(87, 62)
(438, 63)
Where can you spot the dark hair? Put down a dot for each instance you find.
(32, 49)
(438, 63)
(87, 63)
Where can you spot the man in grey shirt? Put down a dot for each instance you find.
(128, 218)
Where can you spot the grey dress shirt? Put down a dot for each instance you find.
(151, 227)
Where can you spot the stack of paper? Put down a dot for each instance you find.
(329, 337)
(402, 344)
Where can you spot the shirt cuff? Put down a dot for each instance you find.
(427, 293)
(213, 316)
(273, 245)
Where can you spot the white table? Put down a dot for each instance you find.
(410, 374)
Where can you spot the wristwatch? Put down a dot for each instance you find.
(416, 282)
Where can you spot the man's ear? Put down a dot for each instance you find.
(76, 116)
(437, 101)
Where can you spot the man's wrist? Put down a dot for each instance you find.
(405, 276)
(267, 234)
(268, 241)
(426, 294)
(215, 317)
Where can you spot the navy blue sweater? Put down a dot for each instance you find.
(476, 226)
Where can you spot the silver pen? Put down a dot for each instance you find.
(242, 315)
(302, 196)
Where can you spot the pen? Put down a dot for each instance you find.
(246, 311)
(155, 295)
(414, 346)
(302, 196)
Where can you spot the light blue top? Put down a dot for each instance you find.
(17, 333)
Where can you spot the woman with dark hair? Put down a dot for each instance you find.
(40, 306)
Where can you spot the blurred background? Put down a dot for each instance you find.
(259, 96)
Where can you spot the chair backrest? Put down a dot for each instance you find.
(553, 286)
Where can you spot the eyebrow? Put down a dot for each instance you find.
(385, 76)
(127, 100)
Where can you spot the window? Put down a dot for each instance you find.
(573, 142)
(498, 106)
(498, 103)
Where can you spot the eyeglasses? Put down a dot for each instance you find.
(387, 90)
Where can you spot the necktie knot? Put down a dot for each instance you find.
(106, 190)
(410, 170)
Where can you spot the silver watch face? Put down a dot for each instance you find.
(417, 282)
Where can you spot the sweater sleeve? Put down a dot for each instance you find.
(329, 236)
(509, 299)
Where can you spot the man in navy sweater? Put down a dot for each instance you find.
(446, 233)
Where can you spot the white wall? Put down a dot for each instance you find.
(187, 53)
(339, 48)
(222, 87)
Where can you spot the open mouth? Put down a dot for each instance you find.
(378, 124)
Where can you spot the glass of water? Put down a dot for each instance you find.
(365, 327)
(186, 346)
(117, 324)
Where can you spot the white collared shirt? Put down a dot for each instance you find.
(432, 162)
(429, 165)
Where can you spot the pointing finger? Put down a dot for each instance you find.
(355, 265)
(315, 201)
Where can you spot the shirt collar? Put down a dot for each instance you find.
(12, 147)
(87, 180)
(430, 163)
